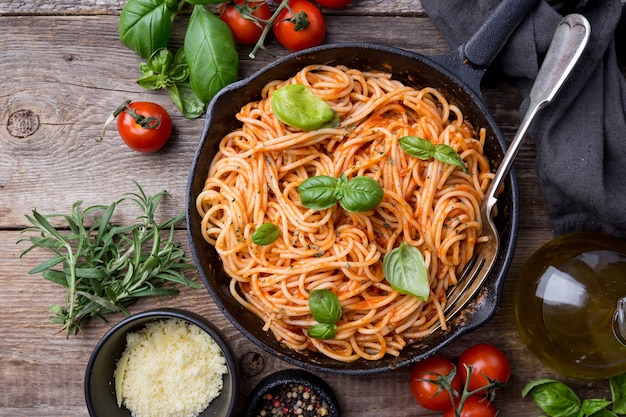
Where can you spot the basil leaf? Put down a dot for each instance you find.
(405, 270)
(448, 155)
(322, 331)
(417, 147)
(156, 73)
(319, 192)
(179, 70)
(265, 234)
(186, 100)
(297, 106)
(148, 79)
(591, 407)
(210, 53)
(161, 60)
(358, 194)
(361, 194)
(145, 26)
(604, 413)
(325, 306)
(423, 149)
(618, 393)
(554, 398)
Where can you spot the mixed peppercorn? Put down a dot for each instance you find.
(291, 400)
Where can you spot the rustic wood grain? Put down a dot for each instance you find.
(97, 7)
(67, 72)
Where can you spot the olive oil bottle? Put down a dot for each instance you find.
(570, 305)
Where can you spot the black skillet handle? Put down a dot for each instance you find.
(483, 47)
(471, 59)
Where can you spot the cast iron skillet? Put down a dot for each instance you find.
(457, 75)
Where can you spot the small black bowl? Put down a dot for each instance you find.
(99, 375)
(273, 383)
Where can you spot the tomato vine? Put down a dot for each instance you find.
(470, 386)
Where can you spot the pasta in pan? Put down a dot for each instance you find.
(428, 204)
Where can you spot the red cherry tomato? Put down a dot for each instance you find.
(333, 4)
(428, 394)
(144, 126)
(474, 406)
(488, 364)
(237, 15)
(300, 26)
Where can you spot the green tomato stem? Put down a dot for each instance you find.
(268, 25)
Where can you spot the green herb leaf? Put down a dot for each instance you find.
(604, 413)
(357, 194)
(47, 264)
(186, 100)
(361, 194)
(265, 234)
(417, 147)
(105, 268)
(55, 276)
(319, 192)
(618, 393)
(297, 106)
(423, 149)
(554, 398)
(325, 306)
(448, 155)
(209, 48)
(162, 71)
(322, 331)
(592, 406)
(145, 26)
(405, 270)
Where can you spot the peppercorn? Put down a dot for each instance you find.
(292, 400)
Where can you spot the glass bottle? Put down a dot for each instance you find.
(570, 305)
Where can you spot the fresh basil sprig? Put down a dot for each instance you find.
(405, 270)
(207, 62)
(423, 149)
(556, 399)
(297, 106)
(357, 194)
(265, 234)
(163, 69)
(170, 72)
(326, 310)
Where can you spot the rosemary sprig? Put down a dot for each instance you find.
(105, 267)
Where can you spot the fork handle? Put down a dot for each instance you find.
(568, 43)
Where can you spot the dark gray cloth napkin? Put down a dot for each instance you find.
(581, 136)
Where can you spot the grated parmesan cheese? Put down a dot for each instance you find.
(169, 368)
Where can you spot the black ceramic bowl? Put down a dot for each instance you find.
(99, 375)
(412, 69)
(276, 383)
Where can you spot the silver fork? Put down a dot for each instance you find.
(566, 47)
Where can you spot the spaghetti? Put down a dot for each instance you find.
(433, 206)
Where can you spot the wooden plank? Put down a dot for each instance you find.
(98, 7)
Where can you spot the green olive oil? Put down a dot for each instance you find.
(569, 305)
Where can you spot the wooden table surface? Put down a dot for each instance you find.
(63, 71)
